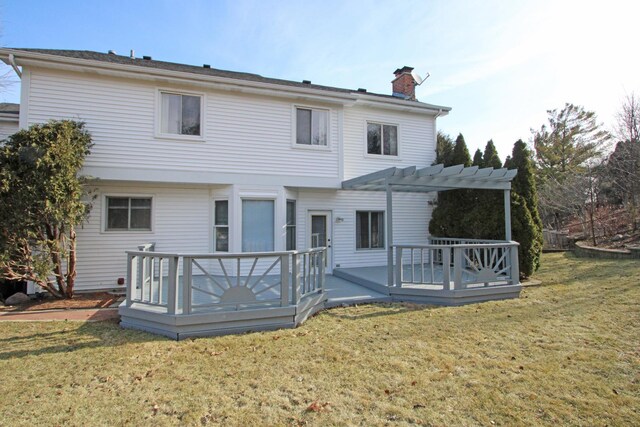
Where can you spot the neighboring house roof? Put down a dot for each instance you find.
(151, 64)
(9, 113)
(9, 108)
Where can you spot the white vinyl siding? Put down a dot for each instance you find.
(411, 215)
(416, 143)
(181, 220)
(241, 134)
(7, 129)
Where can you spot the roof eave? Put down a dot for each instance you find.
(29, 58)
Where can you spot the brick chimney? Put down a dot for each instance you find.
(404, 85)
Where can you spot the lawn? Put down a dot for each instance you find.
(566, 352)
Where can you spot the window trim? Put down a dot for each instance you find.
(384, 230)
(215, 225)
(105, 208)
(381, 156)
(158, 116)
(294, 128)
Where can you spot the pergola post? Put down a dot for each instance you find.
(390, 236)
(507, 215)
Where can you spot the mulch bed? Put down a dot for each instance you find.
(79, 301)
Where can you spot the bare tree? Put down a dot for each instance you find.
(623, 165)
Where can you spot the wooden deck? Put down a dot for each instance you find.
(186, 295)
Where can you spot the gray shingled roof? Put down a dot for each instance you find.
(9, 108)
(171, 66)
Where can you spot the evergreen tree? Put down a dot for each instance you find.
(43, 201)
(447, 219)
(477, 158)
(444, 149)
(490, 157)
(525, 218)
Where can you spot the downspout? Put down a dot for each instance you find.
(12, 61)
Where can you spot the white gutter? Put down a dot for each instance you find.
(12, 62)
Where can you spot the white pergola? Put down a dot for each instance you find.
(430, 179)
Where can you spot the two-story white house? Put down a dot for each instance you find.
(197, 159)
(283, 181)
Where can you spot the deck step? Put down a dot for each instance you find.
(370, 284)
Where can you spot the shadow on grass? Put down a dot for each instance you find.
(89, 335)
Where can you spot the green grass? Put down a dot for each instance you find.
(566, 352)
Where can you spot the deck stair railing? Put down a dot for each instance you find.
(196, 283)
(455, 264)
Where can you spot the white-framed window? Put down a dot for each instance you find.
(369, 229)
(221, 226)
(311, 127)
(382, 139)
(181, 114)
(291, 225)
(124, 213)
(258, 228)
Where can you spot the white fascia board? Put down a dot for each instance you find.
(106, 173)
(401, 105)
(34, 59)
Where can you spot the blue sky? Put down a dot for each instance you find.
(499, 64)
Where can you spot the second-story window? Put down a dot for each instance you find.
(382, 139)
(180, 114)
(312, 127)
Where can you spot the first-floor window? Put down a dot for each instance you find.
(382, 139)
(291, 225)
(258, 225)
(128, 213)
(221, 226)
(369, 229)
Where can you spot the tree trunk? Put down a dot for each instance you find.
(71, 266)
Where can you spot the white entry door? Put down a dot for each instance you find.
(319, 234)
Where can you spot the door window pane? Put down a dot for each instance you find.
(318, 231)
(257, 225)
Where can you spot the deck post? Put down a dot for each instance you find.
(172, 290)
(457, 268)
(187, 279)
(389, 235)
(399, 269)
(130, 280)
(284, 280)
(446, 268)
(507, 215)
(295, 278)
(515, 267)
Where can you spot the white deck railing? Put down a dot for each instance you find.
(457, 264)
(186, 283)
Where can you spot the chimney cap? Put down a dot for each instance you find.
(402, 70)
